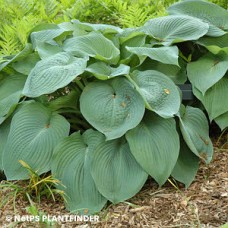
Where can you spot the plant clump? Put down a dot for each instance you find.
(99, 106)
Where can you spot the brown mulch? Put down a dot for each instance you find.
(203, 204)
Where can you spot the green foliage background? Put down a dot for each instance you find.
(19, 17)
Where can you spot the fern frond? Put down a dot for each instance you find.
(129, 18)
(19, 8)
(23, 27)
(66, 3)
(8, 40)
(52, 8)
(120, 5)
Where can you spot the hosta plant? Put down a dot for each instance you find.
(100, 106)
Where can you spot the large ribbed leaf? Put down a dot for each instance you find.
(155, 145)
(215, 44)
(10, 92)
(71, 164)
(215, 100)
(222, 121)
(128, 34)
(186, 166)
(45, 49)
(112, 106)
(53, 73)
(46, 35)
(34, 132)
(94, 45)
(104, 28)
(159, 92)
(175, 29)
(135, 39)
(103, 71)
(216, 16)
(214, 68)
(168, 55)
(72, 28)
(115, 171)
(4, 131)
(5, 128)
(195, 130)
(25, 65)
(44, 27)
(177, 74)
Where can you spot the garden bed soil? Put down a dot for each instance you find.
(203, 204)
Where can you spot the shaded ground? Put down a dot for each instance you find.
(203, 204)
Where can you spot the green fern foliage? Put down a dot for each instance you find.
(8, 43)
(19, 17)
(138, 12)
(222, 3)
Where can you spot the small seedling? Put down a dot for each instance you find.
(35, 188)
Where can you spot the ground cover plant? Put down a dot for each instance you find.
(100, 108)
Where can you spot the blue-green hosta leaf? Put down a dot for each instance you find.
(186, 166)
(25, 65)
(214, 68)
(177, 74)
(174, 29)
(167, 55)
(112, 106)
(215, 44)
(214, 100)
(159, 92)
(105, 29)
(103, 71)
(4, 131)
(10, 92)
(222, 121)
(71, 164)
(153, 152)
(115, 40)
(53, 73)
(216, 16)
(129, 35)
(42, 27)
(94, 45)
(133, 40)
(46, 35)
(115, 171)
(5, 128)
(71, 27)
(34, 133)
(45, 49)
(21, 55)
(195, 130)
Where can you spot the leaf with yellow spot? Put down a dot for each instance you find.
(166, 91)
(150, 84)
